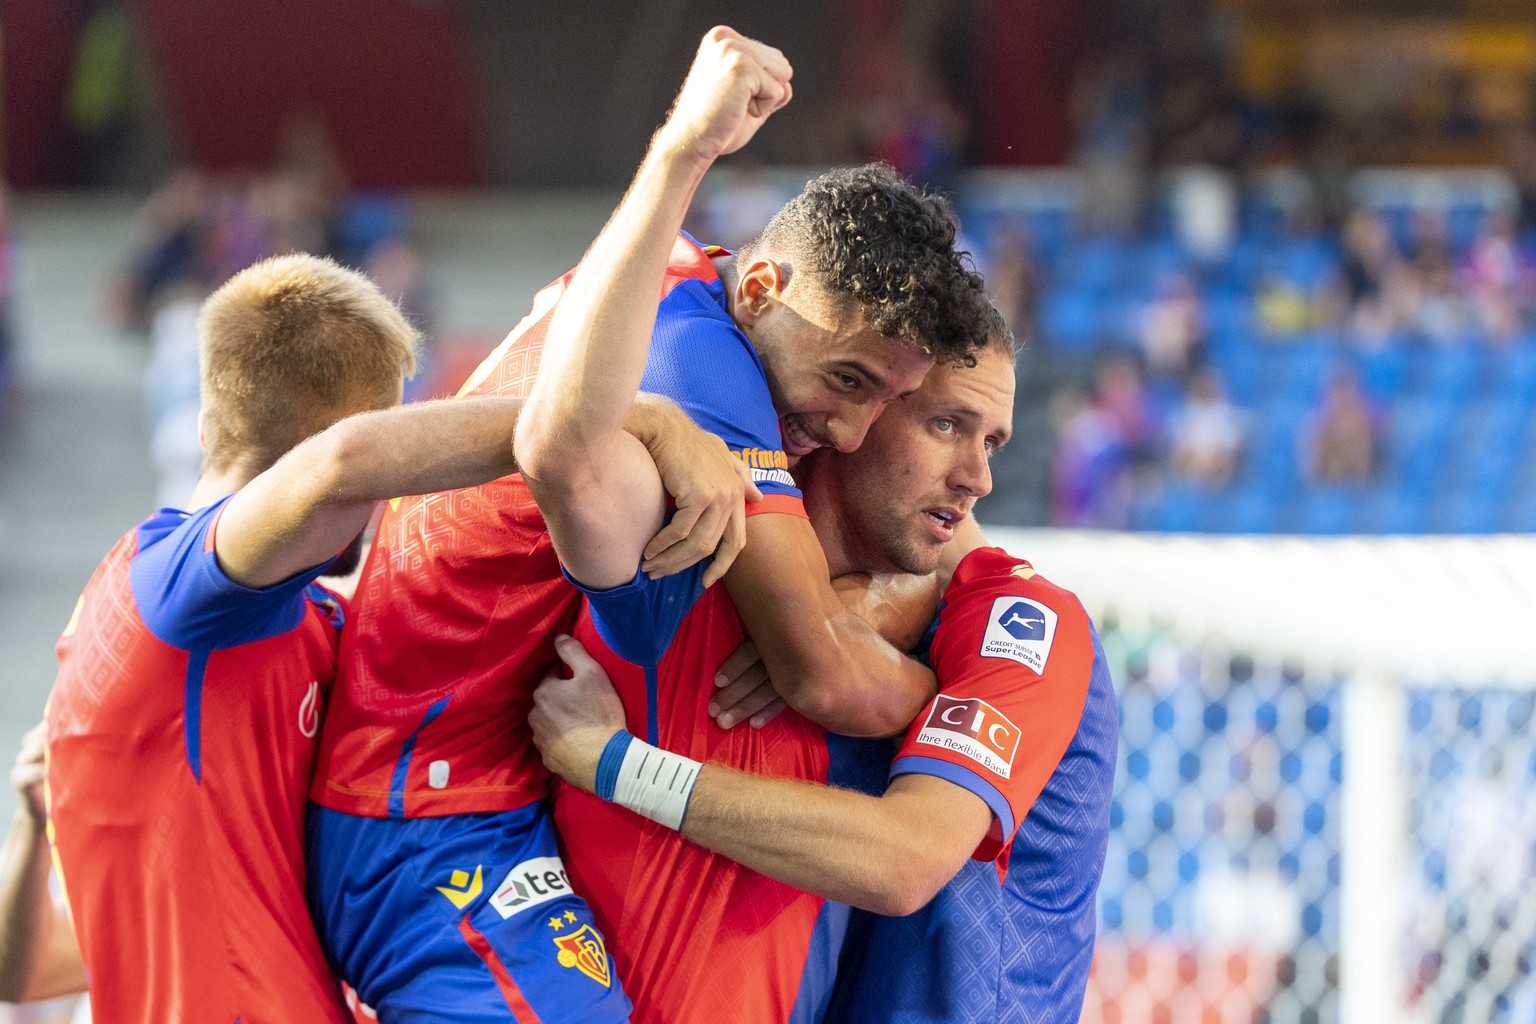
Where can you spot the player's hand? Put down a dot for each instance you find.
(28, 771)
(573, 719)
(735, 83)
(710, 488)
(743, 691)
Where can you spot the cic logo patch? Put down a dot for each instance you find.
(1021, 630)
(971, 726)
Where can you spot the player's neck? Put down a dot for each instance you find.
(213, 485)
(820, 506)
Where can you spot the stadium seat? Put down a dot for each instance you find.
(1329, 510)
(1069, 320)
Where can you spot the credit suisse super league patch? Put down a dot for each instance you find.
(1021, 630)
(971, 726)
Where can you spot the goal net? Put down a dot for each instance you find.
(1325, 805)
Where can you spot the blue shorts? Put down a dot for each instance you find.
(468, 918)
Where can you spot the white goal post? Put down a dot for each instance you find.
(1421, 638)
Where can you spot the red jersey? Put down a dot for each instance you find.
(696, 936)
(1001, 723)
(462, 593)
(180, 746)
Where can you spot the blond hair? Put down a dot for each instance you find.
(287, 347)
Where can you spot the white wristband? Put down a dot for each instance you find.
(655, 783)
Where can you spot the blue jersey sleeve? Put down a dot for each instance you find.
(702, 361)
(638, 620)
(187, 601)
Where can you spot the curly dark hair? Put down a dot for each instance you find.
(869, 235)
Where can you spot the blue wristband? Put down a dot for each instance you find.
(608, 765)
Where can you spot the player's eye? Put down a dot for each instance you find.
(944, 425)
(847, 380)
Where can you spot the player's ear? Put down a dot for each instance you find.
(760, 284)
(202, 429)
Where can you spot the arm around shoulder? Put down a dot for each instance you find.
(826, 661)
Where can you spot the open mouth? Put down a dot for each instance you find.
(797, 440)
(944, 521)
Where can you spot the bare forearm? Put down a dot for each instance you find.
(599, 336)
(824, 660)
(862, 686)
(319, 496)
(898, 606)
(842, 845)
(27, 908)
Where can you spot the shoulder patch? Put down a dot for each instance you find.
(971, 726)
(1021, 630)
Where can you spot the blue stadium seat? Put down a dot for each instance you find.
(1329, 510)
(1381, 370)
(1092, 264)
(1069, 319)
(1418, 445)
(1181, 507)
(1444, 373)
(1392, 510)
(1514, 371)
(1252, 508)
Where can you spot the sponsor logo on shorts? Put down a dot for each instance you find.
(1020, 630)
(531, 883)
(462, 890)
(972, 727)
(583, 949)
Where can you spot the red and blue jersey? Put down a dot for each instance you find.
(1025, 719)
(181, 734)
(462, 592)
(696, 936)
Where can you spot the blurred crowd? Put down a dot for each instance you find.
(198, 228)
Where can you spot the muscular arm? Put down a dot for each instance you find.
(315, 499)
(824, 660)
(598, 490)
(888, 854)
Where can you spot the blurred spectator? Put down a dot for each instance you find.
(395, 266)
(102, 96)
(1104, 446)
(171, 394)
(1521, 152)
(1207, 433)
(1495, 277)
(1172, 328)
(1090, 482)
(1013, 281)
(1110, 109)
(1339, 444)
(169, 250)
(1369, 271)
(1436, 306)
(1282, 308)
(732, 210)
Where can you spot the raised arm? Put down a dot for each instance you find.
(39, 958)
(598, 489)
(826, 661)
